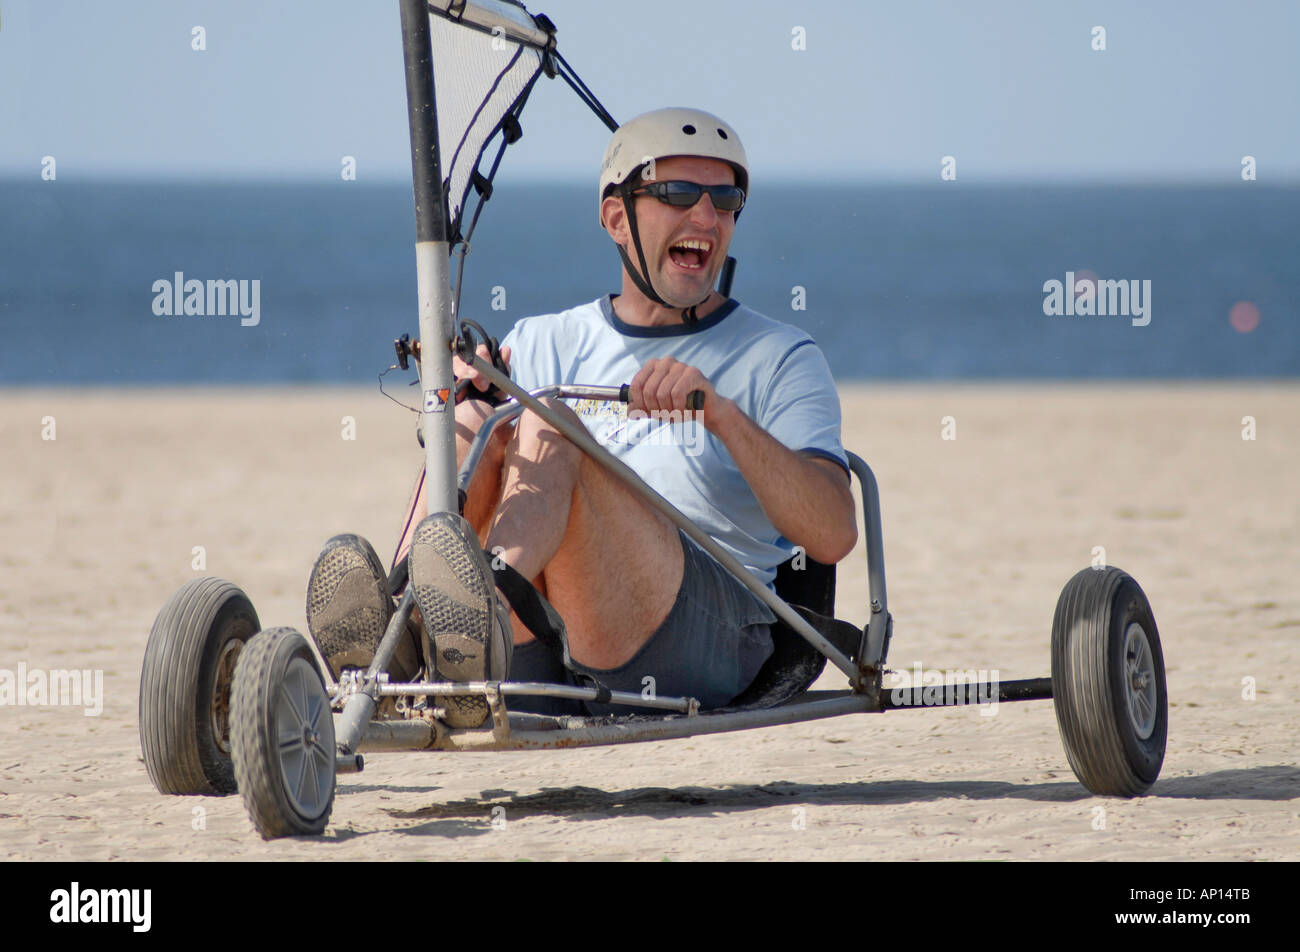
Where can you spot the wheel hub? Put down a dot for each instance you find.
(223, 678)
(1139, 667)
(305, 728)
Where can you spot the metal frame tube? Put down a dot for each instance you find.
(432, 262)
(872, 652)
(652, 729)
(438, 422)
(360, 706)
(1028, 689)
(526, 732)
(422, 118)
(399, 735)
(394, 631)
(353, 722)
(539, 689)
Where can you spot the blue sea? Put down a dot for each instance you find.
(909, 282)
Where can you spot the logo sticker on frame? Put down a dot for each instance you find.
(435, 401)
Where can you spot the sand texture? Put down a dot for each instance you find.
(99, 525)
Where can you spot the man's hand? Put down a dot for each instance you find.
(476, 379)
(662, 386)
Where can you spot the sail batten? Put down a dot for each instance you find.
(494, 17)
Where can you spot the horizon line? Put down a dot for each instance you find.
(800, 180)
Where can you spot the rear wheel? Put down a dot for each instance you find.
(1108, 683)
(282, 736)
(189, 666)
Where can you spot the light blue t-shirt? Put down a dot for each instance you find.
(775, 373)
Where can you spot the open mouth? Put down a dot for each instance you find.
(691, 254)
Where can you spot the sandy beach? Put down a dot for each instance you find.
(102, 522)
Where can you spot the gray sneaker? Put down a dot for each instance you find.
(467, 628)
(348, 608)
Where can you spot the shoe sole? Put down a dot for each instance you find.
(348, 607)
(449, 574)
(453, 591)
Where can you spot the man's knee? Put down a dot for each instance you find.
(557, 406)
(542, 436)
(470, 417)
(546, 443)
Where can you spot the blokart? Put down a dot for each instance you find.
(228, 706)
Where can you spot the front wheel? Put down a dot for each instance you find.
(185, 681)
(1108, 683)
(282, 736)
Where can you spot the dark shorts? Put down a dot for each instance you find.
(710, 646)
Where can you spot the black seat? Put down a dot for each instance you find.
(812, 585)
(809, 587)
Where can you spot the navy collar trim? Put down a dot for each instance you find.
(664, 330)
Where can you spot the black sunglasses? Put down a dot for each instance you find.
(725, 198)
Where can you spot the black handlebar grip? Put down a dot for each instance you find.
(694, 399)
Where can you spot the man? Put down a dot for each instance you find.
(760, 467)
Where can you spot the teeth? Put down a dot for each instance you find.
(694, 244)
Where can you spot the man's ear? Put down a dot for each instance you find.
(613, 215)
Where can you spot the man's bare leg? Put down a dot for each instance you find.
(611, 565)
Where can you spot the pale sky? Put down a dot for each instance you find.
(882, 91)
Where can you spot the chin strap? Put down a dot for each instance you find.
(643, 283)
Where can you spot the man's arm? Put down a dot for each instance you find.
(806, 498)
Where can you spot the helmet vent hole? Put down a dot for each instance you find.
(688, 129)
(722, 133)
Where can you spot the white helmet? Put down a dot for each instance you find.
(670, 132)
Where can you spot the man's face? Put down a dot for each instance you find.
(685, 248)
